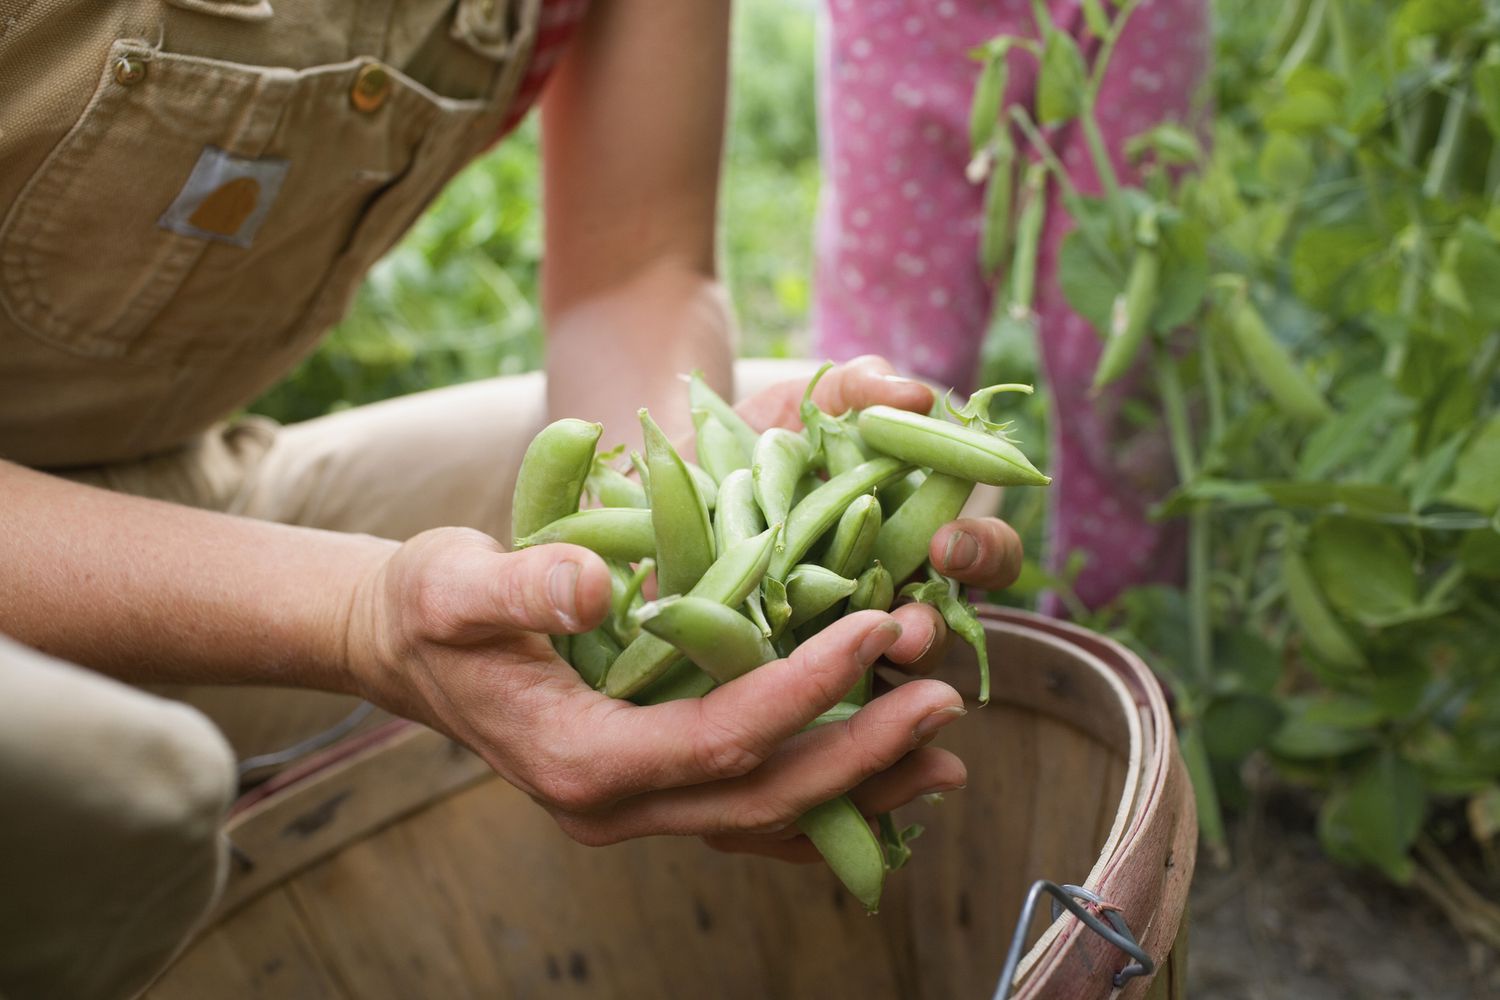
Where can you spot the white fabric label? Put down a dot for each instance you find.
(226, 197)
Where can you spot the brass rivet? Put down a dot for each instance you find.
(129, 71)
(372, 85)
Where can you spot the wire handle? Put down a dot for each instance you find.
(1065, 897)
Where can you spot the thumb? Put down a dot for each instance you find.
(555, 589)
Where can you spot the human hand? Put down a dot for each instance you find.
(982, 552)
(451, 630)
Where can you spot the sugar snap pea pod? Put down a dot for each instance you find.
(960, 618)
(701, 396)
(1130, 316)
(736, 519)
(812, 589)
(1320, 628)
(563, 644)
(623, 533)
(841, 712)
(729, 581)
(843, 448)
(708, 487)
(874, 589)
(841, 834)
(682, 680)
(1273, 367)
(612, 488)
(719, 451)
(591, 653)
(721, 641)
(552, 473)
(902, 543)
(897, 493)
(824, 505)
(967, 452)
(854, 537)
(780, 460)
(679, 516)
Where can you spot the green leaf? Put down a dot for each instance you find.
(1324, 633)
(1234, 726)
(1328, 726)
(1366, 570)
(1285, 164)
(1095, 18)
(1089, 282)
(1436, 17)
(1377, 817)
(1170, 143)
(1062, 81)
(1477, 482)
(1312, 99)
(1324, 259)
(1479, 554)
(1184, 273)
(1466, 280)
(1486, 81)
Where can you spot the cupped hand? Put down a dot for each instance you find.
(451, 630)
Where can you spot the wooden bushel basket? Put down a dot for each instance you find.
(395, 866)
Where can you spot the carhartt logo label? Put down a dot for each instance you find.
(226, 210)
(226, 197)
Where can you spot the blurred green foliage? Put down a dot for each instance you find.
(457, 298)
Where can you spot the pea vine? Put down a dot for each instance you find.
(1312, 294)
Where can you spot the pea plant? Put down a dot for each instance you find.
(1314, 297)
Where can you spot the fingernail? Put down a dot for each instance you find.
(562, 584)
(880, 639)
(897, 379)
(962, 551)
(928, 727)
(940, 789)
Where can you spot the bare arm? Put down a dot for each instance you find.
(151, 591)
(633, 125)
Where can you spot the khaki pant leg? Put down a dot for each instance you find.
(110, 850)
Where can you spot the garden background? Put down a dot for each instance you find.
(1325, 352)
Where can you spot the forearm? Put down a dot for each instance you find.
(150, 591)
(614, 353)
(633, 125)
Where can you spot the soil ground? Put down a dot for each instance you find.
(1285, 923)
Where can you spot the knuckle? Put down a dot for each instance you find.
(572, 790)
(759, 814)
(589, 833)
(725, 750)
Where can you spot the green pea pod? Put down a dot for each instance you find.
(562, 644)
(708, 487)
(1095, 17)
(1321, 629)
(719, 451)
(736, 519)
(682, 680)
(999, 202)
(729, 581)
(721, 641)
(897, 493)
(679, 516)
(550, 480)
(901, 546)
(779, 462)
(591, 654)
(984, 111)
(840, 833)
(854, 537)
(843, 448)
(612, 488)
(822, 508)
(623, 533)
(812, 589)
(1130, 318)
(701, 396)
(875, 589)
(1028, 239)
(966, 452)
(1282, 379)
(841, 712)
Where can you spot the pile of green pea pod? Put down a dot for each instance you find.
(766, 541)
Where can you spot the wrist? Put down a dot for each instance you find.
(352, 653)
